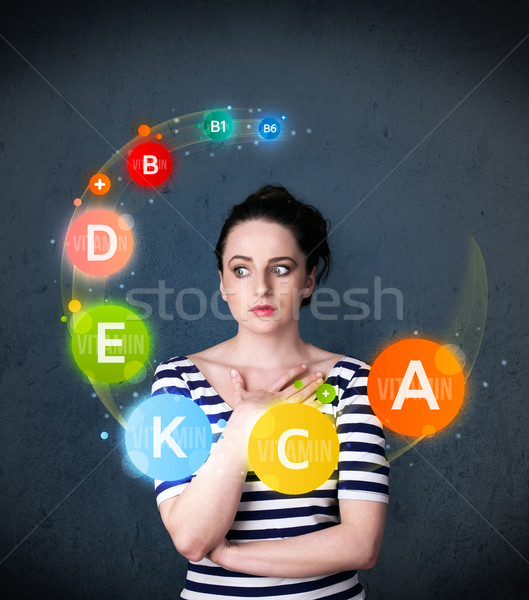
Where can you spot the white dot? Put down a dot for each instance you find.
(121, 286)
(54, 281)
(457, 334)
(122, 204)
(415, 332)
(258, 110)
(388, 446)
(211, 154)
(151, 200)
(458, 436)
(256, 143)
(250, 110)
(293, 132)
(132, 273)
(176, 130)
(485, 384)
(89, 289)
(309, 130)
(120, 179)
(94, 395)
(248, 126)
(411, 464)
(229, 107)
(135, 394)
(239, 147)
(187, 153)
(52, 241)
(503, 362)
(478, 328)
(106, 299)
(177, 120)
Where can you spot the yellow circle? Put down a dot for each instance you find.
(74, 306)
(293, 448)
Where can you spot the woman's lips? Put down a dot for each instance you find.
(263, 310)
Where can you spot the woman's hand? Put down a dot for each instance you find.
(260, 400)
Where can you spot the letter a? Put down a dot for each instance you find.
(415, 367)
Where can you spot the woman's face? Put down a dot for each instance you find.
(263, 265)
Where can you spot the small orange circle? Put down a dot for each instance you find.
(144, 130)
(416, 387)
(77, 202)
(158, 136)
(99, 184)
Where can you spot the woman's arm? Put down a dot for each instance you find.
(352, 544)
(199, 518)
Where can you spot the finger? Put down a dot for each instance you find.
(237, 380)
(286, 377)
(310, 385)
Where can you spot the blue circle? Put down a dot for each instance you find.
(269, 128)
(104, 435)
(222, 423)
(168, 437)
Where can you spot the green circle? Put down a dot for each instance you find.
(326, 393)
(218, 125)
(298, 384)
(119, 353)
(64, 319)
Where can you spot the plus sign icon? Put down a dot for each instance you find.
(326, 393)
(149, 164)
(99, 184)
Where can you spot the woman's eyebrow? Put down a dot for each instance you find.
(249, 258)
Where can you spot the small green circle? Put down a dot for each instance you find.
(218, 125)
(326, 393)
(298, 384)
(64, 319)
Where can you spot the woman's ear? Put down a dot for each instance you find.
(221, 287)
(310, 283)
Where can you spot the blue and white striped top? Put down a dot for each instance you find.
(265, 514)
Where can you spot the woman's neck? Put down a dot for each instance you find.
(277, 350)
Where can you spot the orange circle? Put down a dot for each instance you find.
(158, 136)
(144, 130)
(416, 387)
(99, 184)
(77, 202)
(74, 306)
(99, 243)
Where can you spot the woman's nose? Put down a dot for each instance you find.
(262, 285)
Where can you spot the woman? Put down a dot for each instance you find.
(243, 539)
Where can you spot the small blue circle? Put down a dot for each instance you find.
(168, 437)
(269, 128)
(222, 423)
(104, 435)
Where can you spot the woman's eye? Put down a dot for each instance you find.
(239, 271)
(278, 270)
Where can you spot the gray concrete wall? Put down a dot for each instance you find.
(371, 80)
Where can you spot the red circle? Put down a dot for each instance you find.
(149, 164)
